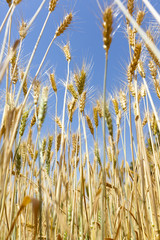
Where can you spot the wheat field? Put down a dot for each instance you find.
(51, 186)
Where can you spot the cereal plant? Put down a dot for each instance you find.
(72, 165)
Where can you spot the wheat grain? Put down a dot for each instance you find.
(123, 100)
(23, 122)
(82, 102)
(16, 2)
(130, 6)
(25, 89)
(115, 104)
(90, 125)
(53, 82)
(48, 154)
(107, 28)
(131, 36)
(64, 25)
(36, 89)
(43, 106)
(23, 30)
(134, 62)
(58, 121)
(109, 121)
(99, 109)
(9, 2)
(58, 141)
(71, 89)
(66, 50)
(139, 18)
(52, 5)
(141, 69)
(95, 116)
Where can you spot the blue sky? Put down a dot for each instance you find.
(85, 38)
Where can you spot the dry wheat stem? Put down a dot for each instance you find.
(104, 146)
(125, 156)
(5, 19)
(40, 181)
(81, 175)
(56, 128)
(68, 140)
(35, 15)
(64, 107)
(130, 123)
(5, 35)
(107, 39)
(7, 70)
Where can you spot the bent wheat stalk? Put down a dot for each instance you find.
(152, 10)
(143, 35)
